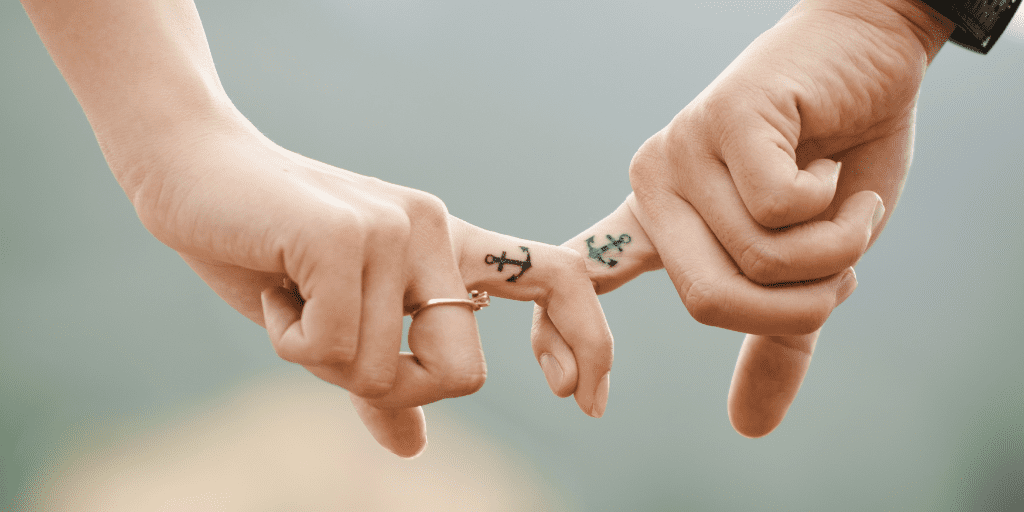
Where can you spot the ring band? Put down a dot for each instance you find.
(477, 301)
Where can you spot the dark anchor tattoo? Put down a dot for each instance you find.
(596, 252)
(491, 259)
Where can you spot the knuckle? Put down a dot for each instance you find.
(425, 207)
(646, 168)
(390, 225)
(465, 381)
(287, 353)
(371, 384)
(772, 210)
(702, 303)
(722, 111)
(760, 263)
(307, 353)
(344, 223)
(810, 320)
(338, 353)
(572, 264)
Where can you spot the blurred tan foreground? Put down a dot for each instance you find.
(289, 443)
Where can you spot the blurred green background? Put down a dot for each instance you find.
(523, 117)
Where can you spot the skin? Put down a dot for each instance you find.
(744, 189)
(834, 81)
(326, 259)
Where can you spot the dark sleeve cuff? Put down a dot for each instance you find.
(979, 23)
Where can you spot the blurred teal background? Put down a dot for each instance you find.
(523, 117)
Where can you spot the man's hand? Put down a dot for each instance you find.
(754, 156)
(742, 188)
(769, 369)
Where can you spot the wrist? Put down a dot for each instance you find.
(907, 21)
(931, 28)
(154, 128)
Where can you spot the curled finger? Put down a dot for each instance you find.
(555, 357)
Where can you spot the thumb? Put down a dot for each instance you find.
(762, 162)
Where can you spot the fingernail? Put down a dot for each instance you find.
(552, 371)
(601, 396)
(877, 217)
(846, 287)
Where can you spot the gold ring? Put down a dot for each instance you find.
(476, 301)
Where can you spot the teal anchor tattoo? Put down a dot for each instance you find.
(596, 252)
(491, 259)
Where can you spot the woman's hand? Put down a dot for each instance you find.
(555, 278)
(326, 259)
(329, 261)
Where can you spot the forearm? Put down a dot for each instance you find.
(141, 69)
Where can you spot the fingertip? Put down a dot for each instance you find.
(827, 170)
(279, 304)
(553, 373)
(570, 376)
(847, 284)
(878, 214)
(750, 419)
(601, 396)
(400, 431)
(554, 355)
(749, 425)
(584, 340)
(593, 404)
(865, 207)
(768, 375)
(281, 309)
(411, 450)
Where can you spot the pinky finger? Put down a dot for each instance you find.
(555, 356)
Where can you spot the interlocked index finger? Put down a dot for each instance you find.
(616, 250)
(555, 278)
(812, 250)
(716, 293)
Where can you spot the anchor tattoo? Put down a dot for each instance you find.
(596, 252)
(525, 265)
